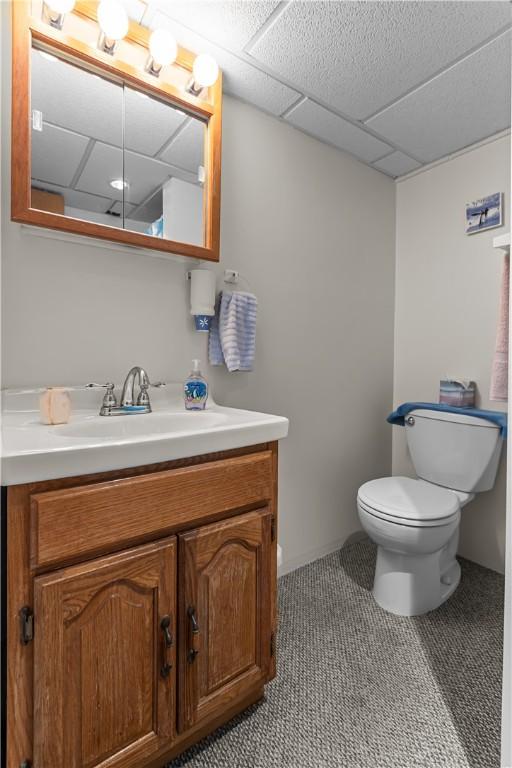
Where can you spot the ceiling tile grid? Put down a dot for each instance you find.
(240, 78)
(148, 122)
(82, 102)
(186, 150)
(397, 164)
(71, 150)
(465, 104)
(230, 24)
(316, 120)
(397, 83)
(358, 57)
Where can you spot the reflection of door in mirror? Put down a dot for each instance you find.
(144, 173)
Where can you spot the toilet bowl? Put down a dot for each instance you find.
(416, 527)
(415, 521)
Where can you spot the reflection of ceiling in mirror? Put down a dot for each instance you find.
(79, 151)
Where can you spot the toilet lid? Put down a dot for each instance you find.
(408, 499)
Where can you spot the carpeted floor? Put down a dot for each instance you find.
(360, 688)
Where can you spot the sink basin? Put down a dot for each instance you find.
(140, 425)
(90, 443)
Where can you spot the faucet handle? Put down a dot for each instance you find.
(143, 398)
(94, 385)
(109, 399)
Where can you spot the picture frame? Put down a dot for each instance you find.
(484, 213)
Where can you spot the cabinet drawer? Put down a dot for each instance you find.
(78, 522)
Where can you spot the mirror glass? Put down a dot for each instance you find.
(106, 153)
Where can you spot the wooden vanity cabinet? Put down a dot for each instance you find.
(225, 613)
(127, 647)
(104, 673)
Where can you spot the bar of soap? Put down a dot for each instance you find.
(55, 406)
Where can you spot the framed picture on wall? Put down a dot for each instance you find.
(485, 213)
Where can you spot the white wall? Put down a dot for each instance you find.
(313, 232)
(447, 289)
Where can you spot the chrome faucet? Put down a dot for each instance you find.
(109, 406)
(129, 383)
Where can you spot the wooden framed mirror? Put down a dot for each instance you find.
(101, 147)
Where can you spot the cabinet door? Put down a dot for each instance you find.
(104, 667)
(225, 597)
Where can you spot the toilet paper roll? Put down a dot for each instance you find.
(202, 292)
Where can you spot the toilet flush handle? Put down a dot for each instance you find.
(410, 421)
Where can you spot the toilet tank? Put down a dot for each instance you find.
(454, 450)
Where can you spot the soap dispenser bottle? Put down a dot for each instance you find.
(195, 389)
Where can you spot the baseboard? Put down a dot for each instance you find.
(311, 555)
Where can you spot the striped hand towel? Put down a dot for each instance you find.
(233, 331)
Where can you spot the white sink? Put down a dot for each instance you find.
(142, 425)
(90, 443)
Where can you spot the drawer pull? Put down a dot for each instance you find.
(194, 632)
(165, 627)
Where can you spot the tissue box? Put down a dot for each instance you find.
(458, 393)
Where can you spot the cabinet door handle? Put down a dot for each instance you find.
(194, 632)
(166, 667)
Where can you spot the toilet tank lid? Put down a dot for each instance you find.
(494, 419)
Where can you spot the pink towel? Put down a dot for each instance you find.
(499, 375)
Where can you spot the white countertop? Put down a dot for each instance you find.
(90, 443)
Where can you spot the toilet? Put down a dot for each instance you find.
(415, 521)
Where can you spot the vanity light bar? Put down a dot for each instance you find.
(163, 48)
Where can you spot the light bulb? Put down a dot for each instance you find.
(112, 19)
(206, 70)
(163, 47)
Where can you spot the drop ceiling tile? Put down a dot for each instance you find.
(78, 100)
(239, 78)
(397, 164)
(56, 154)
(230, 24)
(149, 123)
(105, 163)
(187, 149)
(463, 105)
(327, 126)
(143, 174)
(360, 56)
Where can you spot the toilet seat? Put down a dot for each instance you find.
(404, 501)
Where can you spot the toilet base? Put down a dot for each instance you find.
(410, 585)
